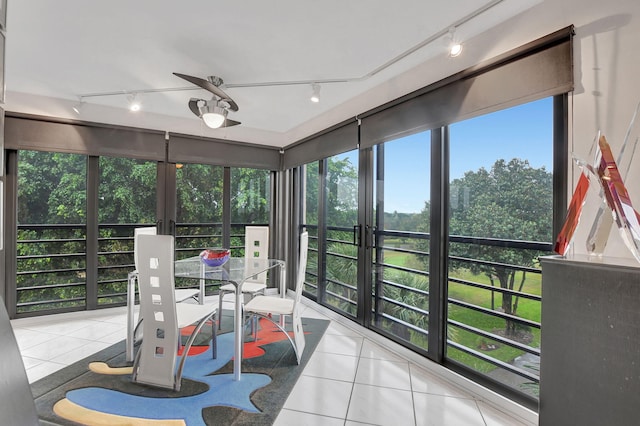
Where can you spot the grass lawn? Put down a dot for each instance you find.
(529, 309)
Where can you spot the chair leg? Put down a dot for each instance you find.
(221, 294)
(297, 350)
(178, 375)
(214, 337)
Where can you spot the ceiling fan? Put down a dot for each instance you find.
(213, 111)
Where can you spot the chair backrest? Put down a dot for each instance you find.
(298, 332)
(150, 230)
(256, 242)
(302, 266)
(256, 246)
(158, 308)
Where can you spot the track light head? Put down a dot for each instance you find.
(134, 103)
(77, 108)
(315, 94)
(455, 46)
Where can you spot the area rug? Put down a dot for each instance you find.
(209, 395)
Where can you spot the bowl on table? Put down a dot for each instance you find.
(215, 257)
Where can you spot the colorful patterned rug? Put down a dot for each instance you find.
(103, 394)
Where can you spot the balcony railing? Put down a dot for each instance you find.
(493, 315)
(52, 267)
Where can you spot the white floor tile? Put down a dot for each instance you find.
(338, 344)
(297, 418)
(30, 362)
(335, 328)
(390, 374)
(332, 366)
(381, 406)
(42, 370)
(84, 351)
(426, 382)
(53, 348)
(62, 327)
(94, 330)
(373, 350)
(494, 417)
(320, 396)
(27, 338)
(438, 410)
(114, 337)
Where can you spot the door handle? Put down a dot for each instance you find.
(369, 236)
(357, 229)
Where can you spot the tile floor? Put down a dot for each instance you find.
(350, 380)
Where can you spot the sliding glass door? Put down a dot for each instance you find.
(400, 290)
(501, 221)
(341, 233)
(431, 239)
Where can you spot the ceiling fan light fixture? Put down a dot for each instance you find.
(315, 94)
(213, 116)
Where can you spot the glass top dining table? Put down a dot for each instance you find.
(235, 271)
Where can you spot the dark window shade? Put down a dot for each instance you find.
(57, 135)
(537, 70)
(38, 134)
(339, 139)
(187, 149)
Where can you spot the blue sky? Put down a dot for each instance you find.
(525, 132)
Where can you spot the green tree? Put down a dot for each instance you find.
(511, 201)
(342, 192)
(250, 195)
(199, 193)
(127, 191)
(52, 188)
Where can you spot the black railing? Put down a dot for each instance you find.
(52, 271)
(481, 334)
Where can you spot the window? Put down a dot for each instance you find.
(501, 198)
(51, 238)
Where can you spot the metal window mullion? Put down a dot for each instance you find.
(92, 231)
(365, 218)
(560, 159)
(438, 245)
(226, 207)
(10, 260)
(322, 230)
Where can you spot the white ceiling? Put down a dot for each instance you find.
(57, 51)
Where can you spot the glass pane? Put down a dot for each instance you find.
(51, 235)
(198, 208)
(401, 289)
(501, 196)
(126, 199)
(250, 201)
(342, 215)
(309, 219)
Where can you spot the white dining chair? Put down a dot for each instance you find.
(268, 306)
(181, 294)
(256, 246)
(155, 361)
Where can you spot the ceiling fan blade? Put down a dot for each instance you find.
(206, 85)
(229, 123)
(193, 106)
